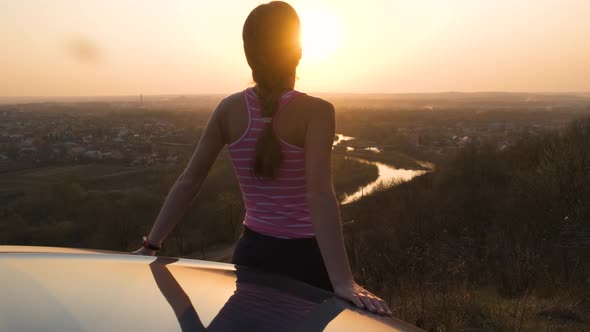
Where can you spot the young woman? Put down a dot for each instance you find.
(280, 142)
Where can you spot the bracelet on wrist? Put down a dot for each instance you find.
(146, 244)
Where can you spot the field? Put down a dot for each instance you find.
(495, 237)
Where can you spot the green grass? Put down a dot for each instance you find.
(466, 309)
(24, 181)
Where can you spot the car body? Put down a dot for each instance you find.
(67, 289)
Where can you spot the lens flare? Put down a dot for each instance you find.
(321, 33)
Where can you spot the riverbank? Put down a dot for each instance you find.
(393, 167)
(388, 177)
(349, 176)
(483, 243)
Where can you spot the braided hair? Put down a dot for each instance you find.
(272, 45)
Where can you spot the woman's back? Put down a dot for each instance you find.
(283, 165)
(275, 207)
(290, 123)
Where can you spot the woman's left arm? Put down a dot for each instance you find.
(189, 182)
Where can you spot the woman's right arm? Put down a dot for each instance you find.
(325, 211)
(189, 182)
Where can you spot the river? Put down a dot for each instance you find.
(388, 175)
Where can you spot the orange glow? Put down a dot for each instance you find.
(59, 48)
(322, 33)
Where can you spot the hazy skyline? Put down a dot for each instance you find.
(75, 48)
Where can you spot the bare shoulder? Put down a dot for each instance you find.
(230, 102)
(227, 106)
(318, 107)
(318, 103)
(234, 98)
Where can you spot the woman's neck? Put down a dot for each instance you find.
(291, 81)
(288, 84)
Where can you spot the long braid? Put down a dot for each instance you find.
(272, 49)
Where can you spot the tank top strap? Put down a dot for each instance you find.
(287, 97)
(253, 104)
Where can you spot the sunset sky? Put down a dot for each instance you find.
(126, 47)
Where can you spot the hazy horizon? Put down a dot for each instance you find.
(573, 96)
(67, 48)
(393, 93)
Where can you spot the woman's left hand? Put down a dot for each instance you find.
(361, 297)
(144, 252)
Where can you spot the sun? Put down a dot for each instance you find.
(321, 33)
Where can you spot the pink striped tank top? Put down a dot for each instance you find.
(274, 207)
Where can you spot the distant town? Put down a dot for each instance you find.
(53, 133)
(165, 130)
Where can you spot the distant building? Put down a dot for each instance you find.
(6, 142)
(93, 154)
(76, 151)
(123, 132)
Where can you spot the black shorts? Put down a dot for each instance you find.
(295, 258)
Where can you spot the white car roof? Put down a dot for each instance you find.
(67, 289)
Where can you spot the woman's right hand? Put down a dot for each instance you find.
(144, 251)
(361, 297)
